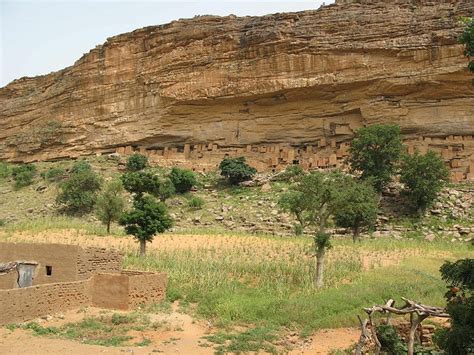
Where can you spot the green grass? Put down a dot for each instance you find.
(103, 330)
(251, 340)
(233, 287)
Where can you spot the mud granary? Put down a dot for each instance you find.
(41, 279)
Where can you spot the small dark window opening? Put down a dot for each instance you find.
(49, 270)
(296, 162)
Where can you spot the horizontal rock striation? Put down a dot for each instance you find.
(292, 79)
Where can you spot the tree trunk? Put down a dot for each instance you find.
(319, 277)
(415, 322)
(142, 247)
(355, 234)
(108, 227)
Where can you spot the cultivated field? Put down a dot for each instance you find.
(245, 293)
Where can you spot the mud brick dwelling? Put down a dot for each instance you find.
(40, 279)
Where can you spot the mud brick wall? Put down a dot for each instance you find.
(145, 288)
(9, 280)
(61, 257)
(110, 291)
(93, 260)
(22, 304)
(128, 289)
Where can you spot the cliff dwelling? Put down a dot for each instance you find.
(279, 89)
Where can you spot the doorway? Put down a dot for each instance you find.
(26, 273)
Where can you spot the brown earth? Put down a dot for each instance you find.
(182, 335)
(291, 78)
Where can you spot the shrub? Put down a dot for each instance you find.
(110, 203)
(5, 170)
(424, 176)
(53, 174)
(292, 173)
(80, 166)
(137, 162)
(235, 170)
(459, 338)
(390, 340)
(196, 202)
(374, 152)
(23, 175)
(78, 193)
(183, 180)
(357, 206)
(165, 190)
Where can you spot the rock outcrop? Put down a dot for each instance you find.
(233, 85)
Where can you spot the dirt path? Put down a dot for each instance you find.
(325, 340)
(179, 335)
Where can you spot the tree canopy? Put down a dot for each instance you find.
(375, 152)
(423, 176)
(236, 170)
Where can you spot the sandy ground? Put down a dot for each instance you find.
(182, 335)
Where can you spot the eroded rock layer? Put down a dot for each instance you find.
(255, 86)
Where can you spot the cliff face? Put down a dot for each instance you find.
(292, 79)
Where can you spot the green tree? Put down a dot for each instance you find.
(467, 38)
(23, 175)
(459, 338)
(137, 162)
(166, 189)
(148, 216)
(236, 170)
(374, 152)
(110, 203)
(78, 193)
(424, 176)
(357, 206)
(182, 179)
(140, 182)
(296, 203)
(316, 195)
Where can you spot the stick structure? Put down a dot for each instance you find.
(418, 313)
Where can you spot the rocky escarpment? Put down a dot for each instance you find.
(292, 79)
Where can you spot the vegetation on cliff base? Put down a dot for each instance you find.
(182, 179)
(78, 193)
(137, 162)
(423, 176)
(236, 170)
(23, 175)
(375, 152)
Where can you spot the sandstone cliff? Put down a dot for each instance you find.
(292, 79)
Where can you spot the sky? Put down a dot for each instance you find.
(41, 36)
